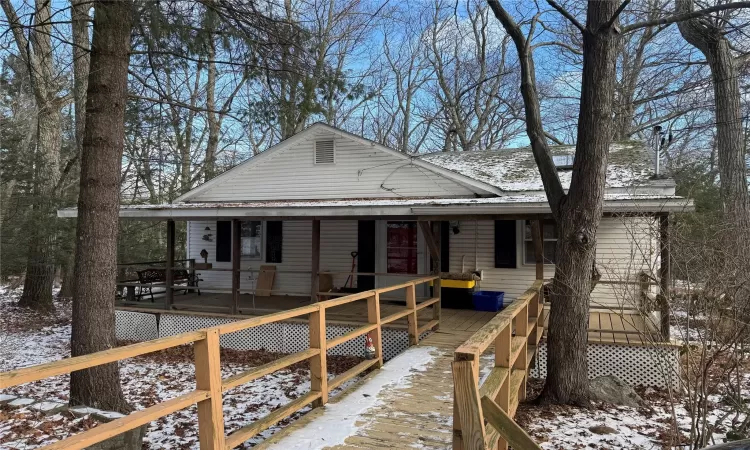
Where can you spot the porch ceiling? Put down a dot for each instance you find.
(396, 207)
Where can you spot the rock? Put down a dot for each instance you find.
(5, 398)
(21, 402)
(80, 411)
(602, 429)
(611, 389)
(106, 416)
(49, 408)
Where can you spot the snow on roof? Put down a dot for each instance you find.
(514, 170)
(370, 202)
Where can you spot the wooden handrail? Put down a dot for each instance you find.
(210, 385)
(515, 332)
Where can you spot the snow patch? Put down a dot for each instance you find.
(343, 419)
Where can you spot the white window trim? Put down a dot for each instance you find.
(315, 150)
(522, 243)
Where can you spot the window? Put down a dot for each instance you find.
(251, 238)
(550, 242)
(325, 152)
(563, 161)
(401, 247)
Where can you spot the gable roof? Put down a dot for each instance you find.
(478, 187)
(514, 170)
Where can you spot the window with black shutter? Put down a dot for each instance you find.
(505, 244)
(224, 240)
(273, 241)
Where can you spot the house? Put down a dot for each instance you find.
(328, 210)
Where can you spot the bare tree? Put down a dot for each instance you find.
(98, 206)
(38, 53)
(577, 213)
(709, 36)
(474, 85)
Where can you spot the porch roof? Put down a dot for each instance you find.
(502, 205)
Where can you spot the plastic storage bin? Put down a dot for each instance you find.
(488, 300)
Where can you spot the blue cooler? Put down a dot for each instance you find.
(488, 300)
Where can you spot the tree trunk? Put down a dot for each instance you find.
(577, 214)
(40, 263)
(98, 205)
(580, 214)
(730, 140)
(212, 147)
(38, 54)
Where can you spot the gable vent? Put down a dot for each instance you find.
(325, 152)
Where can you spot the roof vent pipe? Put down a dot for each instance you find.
(656, 139)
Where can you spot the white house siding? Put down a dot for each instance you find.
(338, 238)
(359, 171)
(625, 245)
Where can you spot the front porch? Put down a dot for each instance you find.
(625, 327)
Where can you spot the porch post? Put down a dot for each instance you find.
(169, 266)
(665, 275)
(432, 245)
(315, 263)
(236, 249)
(537, 237)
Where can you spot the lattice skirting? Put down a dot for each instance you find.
(135, 326)
(282, 337)
(636, 365)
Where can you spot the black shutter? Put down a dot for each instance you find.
(445, 246)
(224, 240)
(273, 241)
(505, 244)
(366, 254)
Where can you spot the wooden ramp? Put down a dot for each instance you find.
(414, 410)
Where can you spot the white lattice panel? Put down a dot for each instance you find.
(636, 365)
(285, 337)
(135, 326)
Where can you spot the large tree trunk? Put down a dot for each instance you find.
(81, 47)
(98, 205)
(38, 54)
(580, 214)
(40, 262)
(730, 140)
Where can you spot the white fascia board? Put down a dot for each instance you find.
(617, 206)
(613, 206)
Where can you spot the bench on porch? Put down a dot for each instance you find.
(148, 278)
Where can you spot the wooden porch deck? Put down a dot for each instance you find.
(605, 327)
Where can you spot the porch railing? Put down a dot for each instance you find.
(209, 382)
(515, 333)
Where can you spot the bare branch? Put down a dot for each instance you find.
(567, 15)
(534, 128)
(684, 16)
(617, 13)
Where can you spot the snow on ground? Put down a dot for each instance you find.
(29, 339)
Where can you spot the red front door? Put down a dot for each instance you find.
(402, 247)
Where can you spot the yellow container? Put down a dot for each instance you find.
(459, 284)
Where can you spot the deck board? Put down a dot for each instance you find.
(418, 413)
